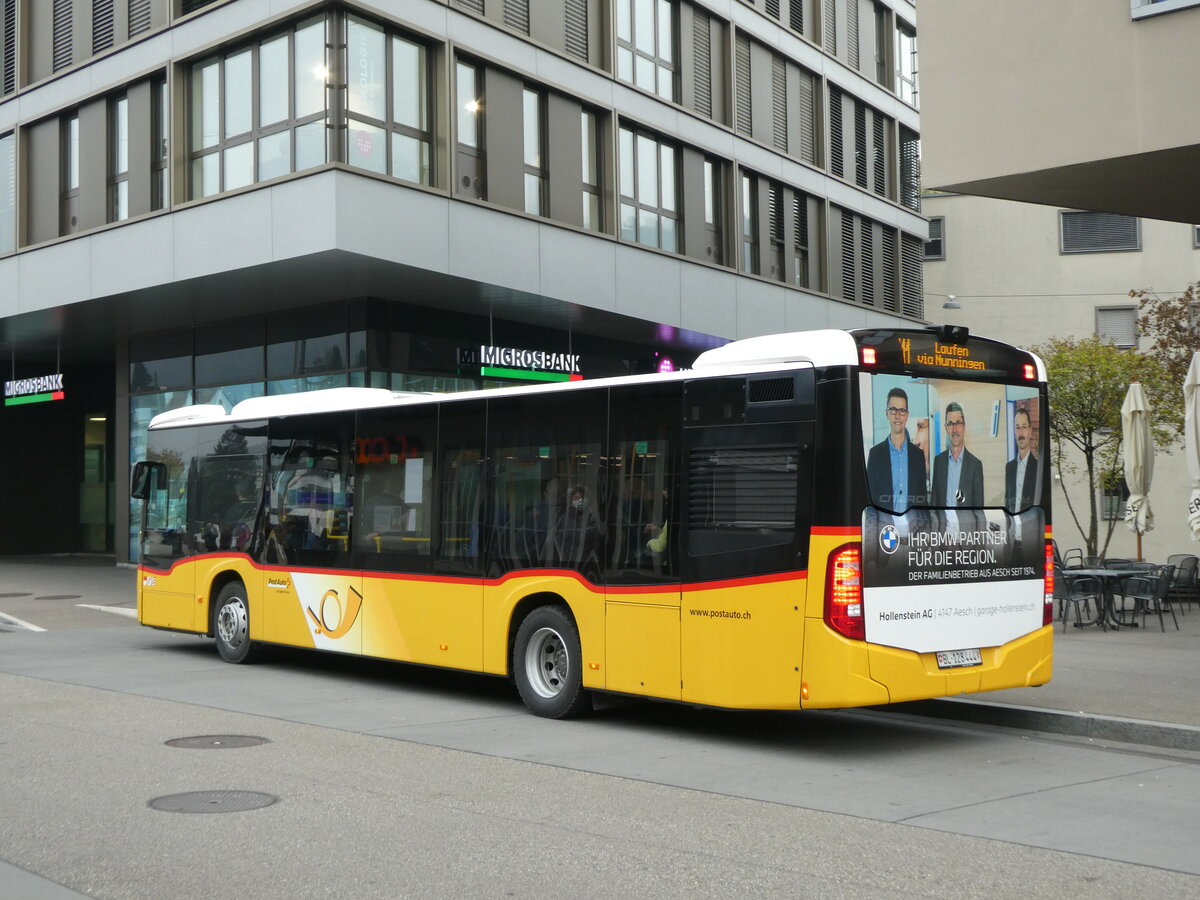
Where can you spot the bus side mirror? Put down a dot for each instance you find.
(143, 477)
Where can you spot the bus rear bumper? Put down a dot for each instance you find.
(872, 675)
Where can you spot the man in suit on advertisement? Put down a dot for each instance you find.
(896, 466)
(1020, 473)
(957, 472)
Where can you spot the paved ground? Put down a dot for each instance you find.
(1133, 675)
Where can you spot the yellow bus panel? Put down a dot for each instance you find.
(643, 649)
(437, 623)
(742, 644)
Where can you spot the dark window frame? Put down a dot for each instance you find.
(257, 131)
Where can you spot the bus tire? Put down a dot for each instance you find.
(548, 664)
(231, 625)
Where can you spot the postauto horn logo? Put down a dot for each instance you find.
(889, 540)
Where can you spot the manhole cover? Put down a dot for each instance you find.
(17, 594)
(217, 742)
(212, 802)
(58, 597)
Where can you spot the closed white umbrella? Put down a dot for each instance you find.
(1138, 452)
(1191, 440)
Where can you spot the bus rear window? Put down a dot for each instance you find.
(947, 442)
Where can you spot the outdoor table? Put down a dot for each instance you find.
(1110, 579)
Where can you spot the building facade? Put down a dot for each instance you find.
(1083, 106)
(207, 201)
(1024, 273)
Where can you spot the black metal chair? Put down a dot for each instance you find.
(1149, 593)
(1092, 562)
(1073, 559)
(1084, 594)
(1184, 586)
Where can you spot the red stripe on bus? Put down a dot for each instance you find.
(424, 578)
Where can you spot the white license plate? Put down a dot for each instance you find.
(954, 659)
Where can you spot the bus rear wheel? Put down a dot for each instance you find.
(548, 664)
(231, 625)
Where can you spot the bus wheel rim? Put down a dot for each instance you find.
(233, 622)
(547, 664)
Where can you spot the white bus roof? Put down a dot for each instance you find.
(767, 353)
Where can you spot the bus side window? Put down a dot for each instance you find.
(460, 530)
(548, 492)
(644, 508)
(394, 477)
(309, 518)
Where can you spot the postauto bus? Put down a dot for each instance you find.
(808, 520)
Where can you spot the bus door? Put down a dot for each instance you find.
(166, 584)
(747, 482)
(313, 598)
(641, 564)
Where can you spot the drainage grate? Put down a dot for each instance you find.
(58, 597)
(17, 594)
(212, 802)
(217, 742)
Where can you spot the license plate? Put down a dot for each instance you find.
(954, 659)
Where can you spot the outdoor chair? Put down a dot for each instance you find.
(1093, 562)
(1118, 563)
(1184, 587)
(1082, 593)
(1073, 559)
(1149, 594)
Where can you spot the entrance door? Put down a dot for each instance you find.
(96, 487)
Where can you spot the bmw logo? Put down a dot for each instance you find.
(888, 539)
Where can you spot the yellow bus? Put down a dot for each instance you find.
(809, 520)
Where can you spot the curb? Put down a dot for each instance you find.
(1097, 727)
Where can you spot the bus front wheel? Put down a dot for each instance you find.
(231, 625)
(548, 664)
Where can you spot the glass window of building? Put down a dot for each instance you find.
(469, 103)
(259, 112)
(646, 38)
(935, 247)
(118, 159)
(1117, 325)
(8, 193)
(159, 193)
(388, 119)
(590, 148)
(749, 227)
(649, 208)
(533, 102)
(713, 211)
(1081, 231)
(906, 62)
(69, 219)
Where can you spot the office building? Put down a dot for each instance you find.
(1081, 106)
(206, 201)
(1025, 273)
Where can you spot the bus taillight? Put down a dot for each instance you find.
(1048, 603)
(843, 592)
